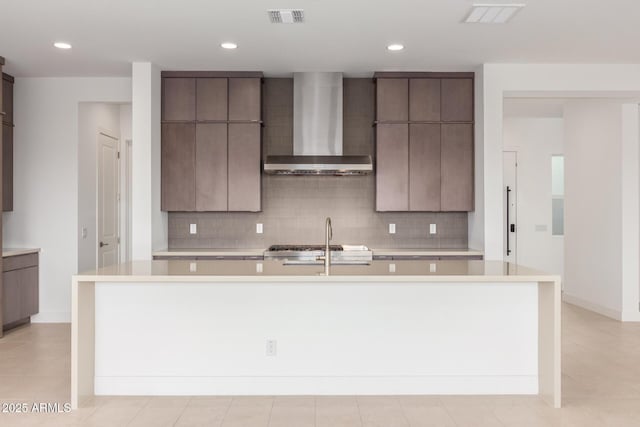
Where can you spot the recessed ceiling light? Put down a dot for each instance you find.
(62, 45)
(395, 47)
(228, 45)
(493, 13)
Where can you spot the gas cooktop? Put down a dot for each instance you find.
(302, 248)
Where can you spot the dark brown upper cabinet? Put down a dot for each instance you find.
(178, 166)
(211, 141)
(244, 171)
(244, 99)
(7, 98)
(211, 167)
(457, 167)
(179, 99)
(424, 100)
(457, 100)
(424, 167)
(392, 100)
(7, 142)
(7, 167)
(392, 167)
(424, 159)
(211, 99)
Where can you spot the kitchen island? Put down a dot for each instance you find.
(264, 328)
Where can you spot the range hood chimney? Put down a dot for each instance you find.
(317, 131)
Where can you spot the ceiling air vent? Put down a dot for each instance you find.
(286, 16)
(493, 13)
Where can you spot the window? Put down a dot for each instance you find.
(557, 195)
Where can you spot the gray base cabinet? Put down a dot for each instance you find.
(20, 296)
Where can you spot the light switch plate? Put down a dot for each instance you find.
(259, 228)
(392, 229)
(193, 267)
(258, 267)
(432, 229)
(432, 268)
(85, 232)
(193, 228)
(392, 268)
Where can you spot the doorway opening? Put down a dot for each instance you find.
(104, 179)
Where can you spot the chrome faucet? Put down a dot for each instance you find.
(327, 247)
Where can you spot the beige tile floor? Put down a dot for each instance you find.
(601, 387)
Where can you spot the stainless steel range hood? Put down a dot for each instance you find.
(317, 131)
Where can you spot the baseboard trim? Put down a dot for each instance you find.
(605, 311)
(52, 317)
(281, 385)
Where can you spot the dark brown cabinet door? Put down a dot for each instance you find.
(392, 100)
(11, 304)
(7, 99)
(424, 100)
(211, 99)
(457, 100)
(211, 167)
(457, 167)
(392, 167)
(424, 167)
(7, 168)
(179, 99)
(244, 99)
(29, 301)
(244, 167)
(178, 167)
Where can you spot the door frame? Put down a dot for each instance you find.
(516, 150)
(112, 135)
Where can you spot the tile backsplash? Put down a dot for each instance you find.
(294, 208)
(294, 212)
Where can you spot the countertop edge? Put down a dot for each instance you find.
(258, 252)
(7, 253)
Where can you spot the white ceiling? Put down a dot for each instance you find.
(339, 35)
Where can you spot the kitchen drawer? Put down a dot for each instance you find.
(19, 261)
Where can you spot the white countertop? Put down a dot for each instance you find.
(276, 271)
(9, 252)
(260, 251)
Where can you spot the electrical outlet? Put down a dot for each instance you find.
(85, 232)
(392, 268)
(272, 347)
(258, 267)
(193, 228)
(259, 228)
(432, 268)
(193, 267)
(392, 229)
(432, 229)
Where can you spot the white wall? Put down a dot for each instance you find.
(551, 80)
(149, 227)
(126, 138)
(46, 178)
(541, 80)
(535, 140)
(93, 118)
(593, 202)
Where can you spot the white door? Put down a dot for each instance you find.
(108, 217)
(510, 197)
